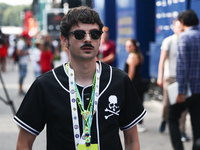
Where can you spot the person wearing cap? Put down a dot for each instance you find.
(107, 49)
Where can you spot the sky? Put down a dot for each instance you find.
(17, 2)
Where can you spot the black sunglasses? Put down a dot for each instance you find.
(80, 34)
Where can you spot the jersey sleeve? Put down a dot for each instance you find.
(31, 114)
(132, 111)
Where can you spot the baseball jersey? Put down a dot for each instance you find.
(47, 102)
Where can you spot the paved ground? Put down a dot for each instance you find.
(149, 140)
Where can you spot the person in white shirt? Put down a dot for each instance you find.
(23, 53)
(167, 65)
(35, 57)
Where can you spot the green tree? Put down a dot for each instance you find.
(3, 7)
(12, 15)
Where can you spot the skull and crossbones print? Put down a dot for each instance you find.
(112, 107)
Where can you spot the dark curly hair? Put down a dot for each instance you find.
(83, 14)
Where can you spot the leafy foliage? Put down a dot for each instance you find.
(12, 15)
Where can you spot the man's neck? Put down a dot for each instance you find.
(185, 27)
(84, 72)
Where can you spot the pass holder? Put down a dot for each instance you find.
(83, 142)
(91, 147)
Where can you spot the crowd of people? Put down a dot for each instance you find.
(179, 60)
(167, 75)
(105, 97)
(39, 50)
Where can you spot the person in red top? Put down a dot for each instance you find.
(3, 51)
(46, 60)
(107, 49)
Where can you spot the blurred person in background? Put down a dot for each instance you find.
(46, 60)
(167, 75)
(48, 38)
(22, 51)
(64, 55)
(133, 69)
(107, 49)
(4, 44)
(36, 56)
(188, 76)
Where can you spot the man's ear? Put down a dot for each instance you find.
(64, 41)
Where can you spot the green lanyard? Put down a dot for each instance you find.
(86, 114)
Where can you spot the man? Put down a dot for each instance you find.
(167, 65)
(107, 49)
(35, 57)
(83, 102)
(23, 54)
(4, 44)
(188, 71)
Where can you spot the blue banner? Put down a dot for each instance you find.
(166, 12)
(126, 28)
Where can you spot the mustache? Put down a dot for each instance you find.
(87, 45)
